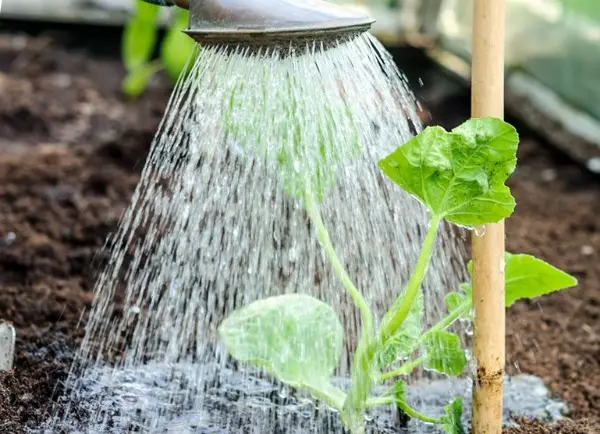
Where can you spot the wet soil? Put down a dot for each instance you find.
(71, 149)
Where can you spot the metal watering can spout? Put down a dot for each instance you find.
(268, 22)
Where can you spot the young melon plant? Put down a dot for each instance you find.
(139, 43)
(460, 177)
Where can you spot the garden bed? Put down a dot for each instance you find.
(71, 150)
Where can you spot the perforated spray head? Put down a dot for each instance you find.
(269, 22)
(272, 21)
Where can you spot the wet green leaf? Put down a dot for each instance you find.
(302, 170)
(401, 345)
(459, 175)
(137, 80)
(296, 338)
(177, 47)
(529, 277)
(451, 421)
(445, 353)
(139, 36)
(304, 164)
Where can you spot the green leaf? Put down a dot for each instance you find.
(526, 276)
(137, 80)
(318, 170)
(529, 277)
(177, 46)
(304, 164)
(401, 345)
(459, 175)
(445, 354)
(139, 36)
(451, 421)
(296, 338)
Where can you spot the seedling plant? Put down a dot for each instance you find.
(459, 176)
(139, 43)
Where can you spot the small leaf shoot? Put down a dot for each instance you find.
(137, 79)
(139, 35)
(177, 47)
(139, 41)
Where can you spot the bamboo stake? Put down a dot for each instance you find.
(487, 100)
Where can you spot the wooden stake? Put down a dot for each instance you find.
(487, 100)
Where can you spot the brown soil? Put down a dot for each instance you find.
(70, 151)
(71, 148)
(558, 337)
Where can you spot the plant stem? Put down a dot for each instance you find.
(313, 212)
(447, 321)
(380, 401)
(362, 380)
(353, 406)
(411, 412)
(396, 316)
(405, 368)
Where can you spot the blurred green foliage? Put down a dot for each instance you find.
(139, 44)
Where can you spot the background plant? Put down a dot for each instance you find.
(460, 177)
(139, 42)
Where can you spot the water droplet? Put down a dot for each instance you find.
(284, 393)
(469, 329)
(250, 271)
(134, 310)
(293, 254)
(479, 231)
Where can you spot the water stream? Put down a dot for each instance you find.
(217, 222)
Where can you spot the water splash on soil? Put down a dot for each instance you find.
(217, 222)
